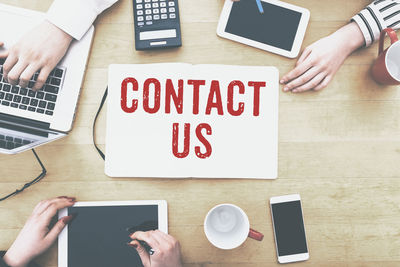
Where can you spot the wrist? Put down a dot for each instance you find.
(14, 261)
(349, 37)
(58, 31)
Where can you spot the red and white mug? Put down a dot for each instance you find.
(386, 69)
(227, 227)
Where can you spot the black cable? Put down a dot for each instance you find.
(94, 124)
(34, 181)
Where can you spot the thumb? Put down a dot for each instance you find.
(57, 228)
(144, 256)
(3, 54)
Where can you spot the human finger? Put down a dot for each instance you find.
(41, 80)
(324, 83)
(27, 75)
(57, 228)
(44, 204)
(297, 71)
(3, 54)
(162, 238)
(15, 73)
(311, 84)
(146, 237)
(8, 65)
(54, 207)
(144, 256)
(304, 55)
(303, 79)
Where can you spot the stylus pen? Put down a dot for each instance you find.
(260, 8)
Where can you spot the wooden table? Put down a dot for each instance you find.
(339, 148)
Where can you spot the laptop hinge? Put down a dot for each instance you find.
(24, 121)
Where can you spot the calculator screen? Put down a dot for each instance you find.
(277, 26)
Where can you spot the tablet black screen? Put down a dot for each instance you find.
(98, 236)
(277, 26)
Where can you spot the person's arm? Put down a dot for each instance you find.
(321, 60)
(37, 236)
(3, 264)
(75, 17)
(379, 15)
(44, 46)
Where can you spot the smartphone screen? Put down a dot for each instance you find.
(289, 228)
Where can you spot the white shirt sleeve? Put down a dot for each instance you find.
(76, 16)
(379, 15)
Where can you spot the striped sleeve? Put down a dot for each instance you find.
(377, 16)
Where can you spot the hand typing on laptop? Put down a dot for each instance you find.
(39, 50)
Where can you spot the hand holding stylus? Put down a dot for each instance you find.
(37, 236)
(167, 250)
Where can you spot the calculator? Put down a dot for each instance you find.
(157, 24)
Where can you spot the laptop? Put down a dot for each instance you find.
(28, 118)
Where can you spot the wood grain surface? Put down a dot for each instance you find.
(338, 148)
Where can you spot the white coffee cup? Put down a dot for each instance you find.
(227, 227)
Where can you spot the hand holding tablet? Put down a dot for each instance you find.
(37, 235)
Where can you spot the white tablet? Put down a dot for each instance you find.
(99, 232)
(280, 29)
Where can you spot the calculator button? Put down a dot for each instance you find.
(140, 23)
(156, 11)
(172, 16)
(147, 6)
(163, 10)
(149, 17)
(147, 1)
(156, 17)
(155, 5)
(171, 3)
(163, 4)
(149, 22)
(140, 12)
(148, 11)
(155, 0)
(140, 18)
(139, 1)
(164, 16)
(139, 6)
(171, 9)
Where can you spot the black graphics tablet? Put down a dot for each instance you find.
(280, 29)
(99, 233)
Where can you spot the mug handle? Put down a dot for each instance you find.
(393, 38)
(256, 235)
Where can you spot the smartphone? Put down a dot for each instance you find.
(289, 231)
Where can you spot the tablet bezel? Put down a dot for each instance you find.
(305, 17)
(63, 237)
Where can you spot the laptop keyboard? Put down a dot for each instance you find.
(11, 142)
(42, 101)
